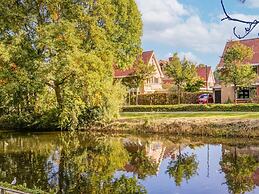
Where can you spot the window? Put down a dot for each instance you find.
(156, 80)
(255, 68)
(243, 93)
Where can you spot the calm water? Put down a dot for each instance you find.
(90, 163)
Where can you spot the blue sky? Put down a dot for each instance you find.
(192, 28)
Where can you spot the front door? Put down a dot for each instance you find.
(218, 96)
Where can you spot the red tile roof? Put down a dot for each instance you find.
(201, 71)
(146, 57)
(167, 80)
(252, 43)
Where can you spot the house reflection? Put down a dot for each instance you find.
(146, 157)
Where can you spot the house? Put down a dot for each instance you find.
(206, 74)
(166, 80)
(154, 83)
(223, 93)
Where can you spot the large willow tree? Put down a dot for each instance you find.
(57, 56)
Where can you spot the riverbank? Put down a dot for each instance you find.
(202, 124)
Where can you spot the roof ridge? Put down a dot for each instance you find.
(243, 40)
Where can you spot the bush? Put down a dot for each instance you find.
(165, 98)
(194, 108)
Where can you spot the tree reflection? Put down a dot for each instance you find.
(145, 158)
(183, 167)
(239, 170)
(76, 163)
(143, 166)
(90, 168)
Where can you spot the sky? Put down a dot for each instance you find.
(193, 28)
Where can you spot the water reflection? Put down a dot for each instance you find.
(240, 166)
(91, 163)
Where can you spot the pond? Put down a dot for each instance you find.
(105, 163)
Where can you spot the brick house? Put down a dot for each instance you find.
(206, 74)
(151, 85)
(224, 93)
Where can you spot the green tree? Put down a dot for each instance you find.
(236, 70)
(182, 73)
(56, 58)
(195, 85)
(141, 73)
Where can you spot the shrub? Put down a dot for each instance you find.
(165, 98)
(194, 108)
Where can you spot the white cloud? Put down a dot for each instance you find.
(168, 22)
(189, 56)
(253, 3)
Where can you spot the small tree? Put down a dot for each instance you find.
(182, 73)
(195, 85)
(236, 70)
(139, 76)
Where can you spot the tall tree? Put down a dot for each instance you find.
(56, 56)
(182, 72)
(236, 70)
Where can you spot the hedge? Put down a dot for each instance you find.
(194, 108)
(165, 98)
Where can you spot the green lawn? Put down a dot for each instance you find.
(239, 115)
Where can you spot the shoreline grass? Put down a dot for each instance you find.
(163, 115)
(213, 124)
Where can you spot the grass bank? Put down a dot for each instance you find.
(222, 115)
(214, 124)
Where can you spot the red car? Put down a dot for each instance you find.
(205, 99)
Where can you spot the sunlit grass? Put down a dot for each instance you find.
(240, 115)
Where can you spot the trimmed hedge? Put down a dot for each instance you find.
(166, 98)
(194, 108)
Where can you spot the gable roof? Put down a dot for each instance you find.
(204, 72)
(252, 43)
(146, 58)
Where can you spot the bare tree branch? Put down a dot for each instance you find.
(250, 24)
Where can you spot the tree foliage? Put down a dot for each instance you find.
(56, 58)
(237, 71)
(182, 72)
(195, 85)
(141, 73)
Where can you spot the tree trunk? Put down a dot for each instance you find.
(137, 96)
(179, 94)
(58, 96)
(235, 91)
(129, 96)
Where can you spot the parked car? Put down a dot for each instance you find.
(205, 99)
